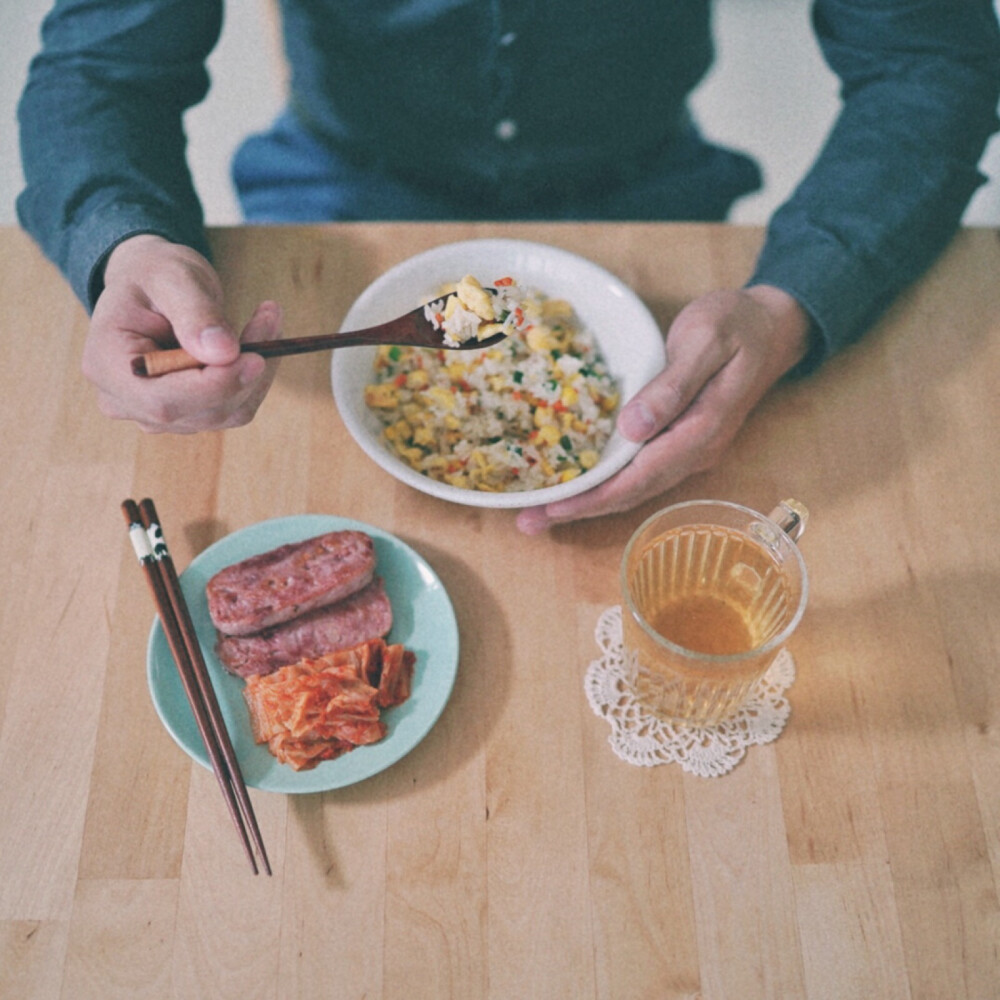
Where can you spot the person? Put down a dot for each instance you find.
(454, 109)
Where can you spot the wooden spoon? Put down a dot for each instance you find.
(411, 330)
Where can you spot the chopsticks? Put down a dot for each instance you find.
(146, 534)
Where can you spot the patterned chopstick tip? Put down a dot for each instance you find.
(148, 542)
(140, 542)
(154, 535)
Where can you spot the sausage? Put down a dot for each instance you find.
(291, 580)
(363, 616)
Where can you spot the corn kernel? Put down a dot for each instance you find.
(588, 458)
(570, 396)
(549, 433)
(441, 397)
(382, 396)
(539, 338)
(556, 309)
(544, 415)
(417, 379)
(567, 474)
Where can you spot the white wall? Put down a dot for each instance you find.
(770, 94)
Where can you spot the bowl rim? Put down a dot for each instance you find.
(618, 452)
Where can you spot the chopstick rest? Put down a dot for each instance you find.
(149, 543)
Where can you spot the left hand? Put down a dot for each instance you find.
(724, 351)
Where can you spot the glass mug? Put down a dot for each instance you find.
(711, 592)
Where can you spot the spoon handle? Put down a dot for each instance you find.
(176, 359)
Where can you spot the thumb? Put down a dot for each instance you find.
(209, 339)
(195, 312)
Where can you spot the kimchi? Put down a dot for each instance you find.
(320, 708)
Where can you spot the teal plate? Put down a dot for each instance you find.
(423, 621)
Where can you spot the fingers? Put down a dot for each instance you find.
(216, 397)
(691, 445)
(725, 351)
(254, 372)
(187, 292)
(697, 347)
(156, 292)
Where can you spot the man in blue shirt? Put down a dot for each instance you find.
(437, 109)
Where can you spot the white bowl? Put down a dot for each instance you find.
(627, 335)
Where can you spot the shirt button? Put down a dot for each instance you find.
(505, 129)
(508, 39)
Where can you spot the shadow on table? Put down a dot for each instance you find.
(922, 659)
(476, 702)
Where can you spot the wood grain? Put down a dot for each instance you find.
(511, 854)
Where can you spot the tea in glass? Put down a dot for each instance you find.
(711, 592)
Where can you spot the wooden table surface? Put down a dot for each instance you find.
(512, 854)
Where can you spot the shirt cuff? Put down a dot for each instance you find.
(832, 284)
(93, 240)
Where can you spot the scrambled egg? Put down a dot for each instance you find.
(532, 411)
(471, 312)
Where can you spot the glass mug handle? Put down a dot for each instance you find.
(791, 516)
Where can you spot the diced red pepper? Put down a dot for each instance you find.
(503, 282)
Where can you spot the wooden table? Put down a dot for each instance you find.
(512, 854)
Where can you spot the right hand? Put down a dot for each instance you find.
(159, 294)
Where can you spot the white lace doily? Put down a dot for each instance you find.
(644, 739)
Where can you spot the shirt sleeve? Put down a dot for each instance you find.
(101, 129)
(920, 81)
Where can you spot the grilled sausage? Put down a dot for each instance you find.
(277, 586)
(363, 616)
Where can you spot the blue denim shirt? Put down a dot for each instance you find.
(526, 109)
